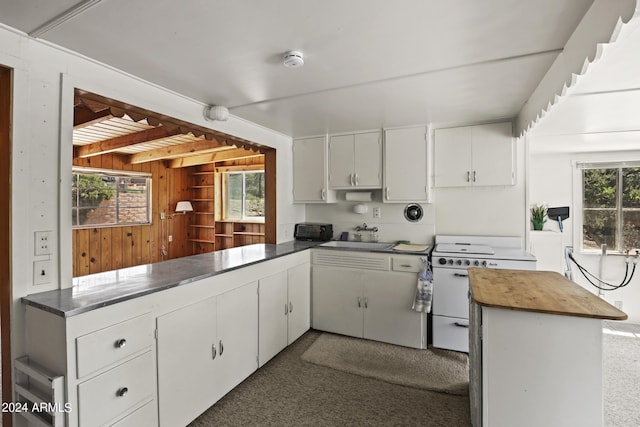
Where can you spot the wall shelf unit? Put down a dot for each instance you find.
(202, 229)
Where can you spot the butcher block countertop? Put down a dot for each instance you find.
(538, 291)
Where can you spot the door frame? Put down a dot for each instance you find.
(6, 299)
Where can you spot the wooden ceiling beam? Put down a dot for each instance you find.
(83, 117)
(189, 148)
(241, 168)
(237, 153)
(113, 144)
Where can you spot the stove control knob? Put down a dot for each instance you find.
(459, 262)
(442, 261)
(451, 262)
(484, 263)
(467, 262)
(476, 263)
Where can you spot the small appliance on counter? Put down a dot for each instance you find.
(313, 232)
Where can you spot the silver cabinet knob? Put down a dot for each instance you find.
(214, 352)
(290, 307)
(359, 302)
(221, 347)
(122, 391)
(120, 343)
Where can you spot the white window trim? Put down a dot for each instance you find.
(577, 185)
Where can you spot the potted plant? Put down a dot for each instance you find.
(538, 214)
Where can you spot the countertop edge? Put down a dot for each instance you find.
(34, 299)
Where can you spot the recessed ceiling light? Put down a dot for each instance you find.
(293, 59)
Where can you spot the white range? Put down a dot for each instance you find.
(451, 258)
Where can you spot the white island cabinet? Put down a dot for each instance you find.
(535, 350)
(164, 357)
(367, 295)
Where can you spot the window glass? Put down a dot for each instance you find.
(611, 209)
(101, 199)
(245, 195)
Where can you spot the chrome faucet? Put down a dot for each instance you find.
(366, 228)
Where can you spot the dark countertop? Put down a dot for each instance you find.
(103, 289)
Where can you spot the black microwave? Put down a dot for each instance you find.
(313, 232)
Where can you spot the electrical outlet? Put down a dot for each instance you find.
(42, 245)
(162, 215)
(618, 305)
(170, 238)
(376, 212)
(42, 272)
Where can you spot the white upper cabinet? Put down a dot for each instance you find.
(406, 165)
(355, 161)
(310, 171)
(481, 155)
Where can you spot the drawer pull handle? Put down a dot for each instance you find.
(405, 265)
(121, 343)
(460, 275)
(122, 391)
(461, 325)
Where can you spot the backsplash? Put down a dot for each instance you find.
(392, 225)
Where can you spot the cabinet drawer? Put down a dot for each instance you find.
(451, 333)
(109, 345)
(144, 416)
(112, 393)
(406, 263)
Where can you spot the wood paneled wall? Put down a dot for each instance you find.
(100, 249)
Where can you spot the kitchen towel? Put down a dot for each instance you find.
(424, 288)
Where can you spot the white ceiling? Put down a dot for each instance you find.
(368, 63)
(601, 111)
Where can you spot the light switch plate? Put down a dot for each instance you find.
(42, 272)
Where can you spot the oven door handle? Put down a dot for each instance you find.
(461, 325)
(461, 274)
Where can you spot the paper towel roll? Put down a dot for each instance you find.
(352, 196)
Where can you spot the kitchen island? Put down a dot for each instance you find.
(535, 349)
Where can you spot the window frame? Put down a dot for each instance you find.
(117, 174)
(243, 217)
(580, 167)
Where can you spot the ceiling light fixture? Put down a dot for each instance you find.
(293, 59)
(216, 112)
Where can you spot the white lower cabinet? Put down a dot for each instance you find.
(204, 350)
(363, 303)
(284, 313)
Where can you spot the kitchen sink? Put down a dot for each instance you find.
(372, 246)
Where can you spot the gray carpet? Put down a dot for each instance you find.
(621, 377)
(432, 369)
(288, 391)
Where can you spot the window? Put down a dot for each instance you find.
(245, 195)
(611, 206)
(102, 198)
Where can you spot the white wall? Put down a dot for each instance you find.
(392, 225)
(552, 181)
(44, 78)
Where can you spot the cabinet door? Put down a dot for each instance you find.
(237, 336)
(452, 157)
(368, 160)
(388, 316)
(186, 363)
(299, 319)
(273, 315)
(406, 167)
(492, 153)
(341, 162)
(309, 170)
(337, 300)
